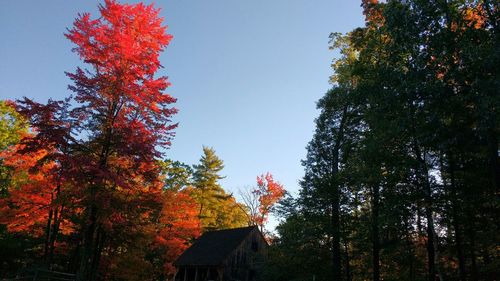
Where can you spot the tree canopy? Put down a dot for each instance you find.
(402, 170)
(401, 177)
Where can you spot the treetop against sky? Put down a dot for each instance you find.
(246, 74)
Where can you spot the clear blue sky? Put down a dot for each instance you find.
(247, 73)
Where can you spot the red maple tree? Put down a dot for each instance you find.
(104, 140)
(269, 192)
(260, 200)
(127, 113)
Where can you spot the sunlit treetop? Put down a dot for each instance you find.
(122, 47)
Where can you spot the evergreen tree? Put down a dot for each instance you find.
(218, 210)
(177, 175)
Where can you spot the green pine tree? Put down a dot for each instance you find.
(218, 209)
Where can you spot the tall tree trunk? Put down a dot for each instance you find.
(494, 160)
(411, 251)
(375, 232)
(84, 271)
(335, 220)
(90, 251)
(456, 223)
(55, 230)
(424, 181)
(47, 237)
(98, 245)
(472, 237)
(419, 219)
(337, 259)
(347, 261)
(459, 246)
(431, 251)
(335, 198)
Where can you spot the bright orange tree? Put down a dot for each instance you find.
(31, 194)
(268, 192)
(179, 226)
(36, 204)
(32, 202)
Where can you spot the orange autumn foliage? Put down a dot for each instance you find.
(475, 18)
(268, 192)
(470, 17)
(33, 194)
(373, 12)
(179, 226)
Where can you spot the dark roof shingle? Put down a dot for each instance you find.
(213, 247)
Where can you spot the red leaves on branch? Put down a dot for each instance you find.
(268, 192)
(123, 48)
(122, 106)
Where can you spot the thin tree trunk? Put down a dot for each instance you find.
(419, 220)
(459, 246)
(335, 221)
(347, 262)
(337, 260)
(98, 245)
(375, 233)
(431, 251)
(84, 271)
(472, 237)
(55, 230)
(411, 252)
(456, 225)
(423, 176)
(494, 160)
(47, 237)
(335, 199)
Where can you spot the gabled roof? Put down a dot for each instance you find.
(213, 247)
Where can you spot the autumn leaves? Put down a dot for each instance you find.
(86, 183)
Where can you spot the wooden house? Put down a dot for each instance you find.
(223, 255)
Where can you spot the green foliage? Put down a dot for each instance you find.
(403, 167)
(206, 173)
(218, 210)
(12, 125)
(177, 175)
(299, 252)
